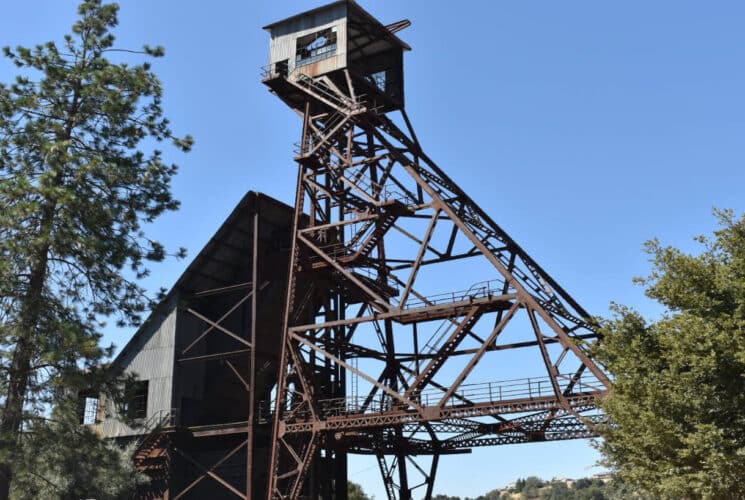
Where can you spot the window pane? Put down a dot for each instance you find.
(90, 411)
(137, 399)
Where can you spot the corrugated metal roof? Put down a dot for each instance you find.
(269, 27)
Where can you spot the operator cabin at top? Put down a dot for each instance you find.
(338, 49)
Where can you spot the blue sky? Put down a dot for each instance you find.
(584, 128)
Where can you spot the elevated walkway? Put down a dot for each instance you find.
(472, 400)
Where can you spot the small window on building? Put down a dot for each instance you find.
(379, 80)
(315, 47)
(136, 394)
(90, 410)
(282, 67)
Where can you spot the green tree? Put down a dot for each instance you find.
(617, 489)
(531, 487)
(557, 490)
(492, 495)
(678, 398)
(62, 459)
(355, 492)
(519, 485)
(77, 182)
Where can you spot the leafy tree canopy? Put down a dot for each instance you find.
(581, 489)
(678, 401)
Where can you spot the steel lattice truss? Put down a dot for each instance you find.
(389, 349)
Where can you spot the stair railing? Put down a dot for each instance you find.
(156, 422)
(477, 290)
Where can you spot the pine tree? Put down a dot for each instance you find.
(355, 492)
(76, 185)
(59, 458)
(678, 399)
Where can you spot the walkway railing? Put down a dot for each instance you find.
(150, 427)
(496, 392)
(478, 290)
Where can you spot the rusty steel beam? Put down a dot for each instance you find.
(210, 472)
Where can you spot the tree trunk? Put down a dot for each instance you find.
(10, 425)
(20, 369)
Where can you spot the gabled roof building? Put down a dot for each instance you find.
(193, 357)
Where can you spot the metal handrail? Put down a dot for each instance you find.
(485, 392)
(374, 275)
(478, 290)
(436, 338)
(384, 191)
(157, 421)
(341, 100)
(297, 74)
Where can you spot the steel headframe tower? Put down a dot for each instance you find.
(389, 348)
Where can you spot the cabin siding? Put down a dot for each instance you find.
(152, 359)
(283, 44)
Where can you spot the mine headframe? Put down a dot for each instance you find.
(414, 324)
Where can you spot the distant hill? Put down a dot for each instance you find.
(599, 487)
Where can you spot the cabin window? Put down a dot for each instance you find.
(136, 394)
(315, 47)
(379, 80)
(88, 407)
(282, 67)
(90, 411)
